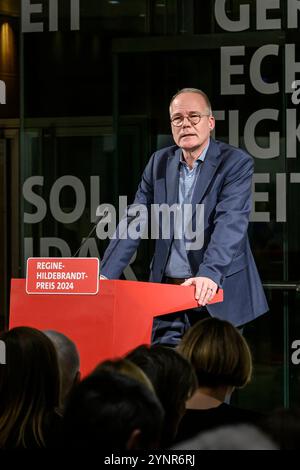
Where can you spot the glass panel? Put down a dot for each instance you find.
(270, 224)
(4, 218)
(76, 181)
(93, 106)
(294, 349)
(9, 66)
(265, 338)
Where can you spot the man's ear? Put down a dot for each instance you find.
(211, 122)
(133, 442)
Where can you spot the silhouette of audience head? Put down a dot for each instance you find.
(173, 379)
(219, 353)
(126, 367)
(112, 411)
(29, 388)
(68, 361)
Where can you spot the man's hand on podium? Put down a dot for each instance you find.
(205, 289)
(103, 278)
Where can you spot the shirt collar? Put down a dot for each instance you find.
(200, 158)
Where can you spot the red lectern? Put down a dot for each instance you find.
(105, 325)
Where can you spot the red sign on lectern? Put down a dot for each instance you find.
(62, 276)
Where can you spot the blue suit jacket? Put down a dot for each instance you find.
(224, 187)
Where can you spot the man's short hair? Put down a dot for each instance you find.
(193, 90)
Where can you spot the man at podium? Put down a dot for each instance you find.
(198, 170)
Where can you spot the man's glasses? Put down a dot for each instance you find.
(194, 119)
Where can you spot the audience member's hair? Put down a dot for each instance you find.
(124, 366)
(68, 361)
(283, 426)
(218, 352)
(173, 379)
(111, 411)
(237, 437)
(29, 388)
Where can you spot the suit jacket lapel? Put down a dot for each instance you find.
(208, 169)
(172, 177)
